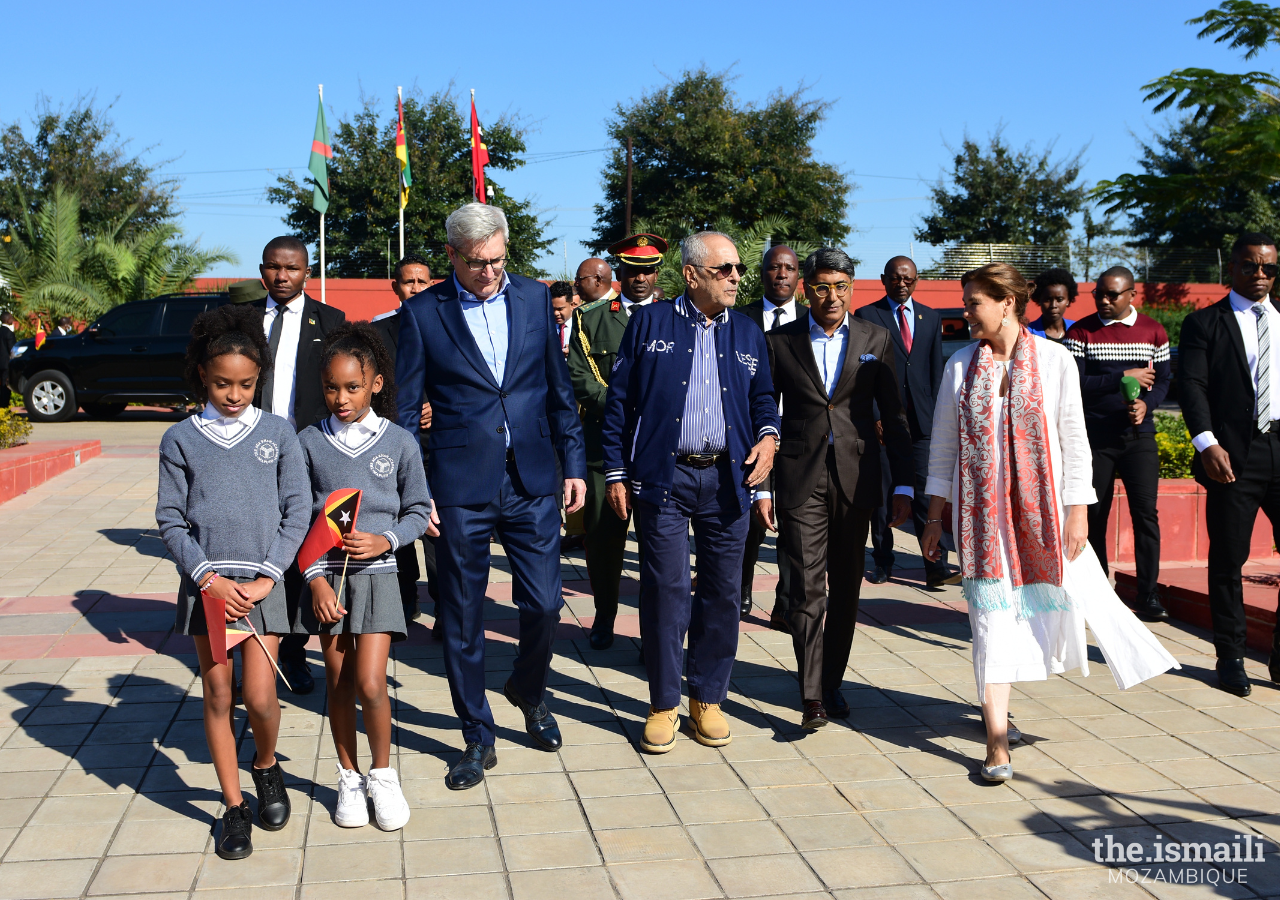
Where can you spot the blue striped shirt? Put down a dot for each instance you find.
(702, 427)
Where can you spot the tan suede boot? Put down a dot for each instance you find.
(709, 724)
(660, 730)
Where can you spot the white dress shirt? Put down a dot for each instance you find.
(354, 435)
(772, 320)
(627, 305)
(1247, 322)
(284, 390)
(1133, 317)
(897, 308)
(228, 428)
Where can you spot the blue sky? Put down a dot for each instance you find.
(227, 91)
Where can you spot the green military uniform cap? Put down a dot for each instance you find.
(246, 291)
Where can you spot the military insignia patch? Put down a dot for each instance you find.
(642, 241)
(615, 306)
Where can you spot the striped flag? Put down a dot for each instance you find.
(41, 334)
(479, 153)
(402, 154)
(321, 153)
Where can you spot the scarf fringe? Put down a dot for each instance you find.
(1028, 600)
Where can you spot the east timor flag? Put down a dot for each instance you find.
(337, 519)
(41, 335)
(223, 635)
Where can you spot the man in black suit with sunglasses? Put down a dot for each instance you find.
(1229, 384)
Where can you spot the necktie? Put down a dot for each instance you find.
(273, 340)
(1264, 368)
(905, 327)
(777, 317)
(560, 331)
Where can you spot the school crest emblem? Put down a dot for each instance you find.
(382, 465)
(266, 451)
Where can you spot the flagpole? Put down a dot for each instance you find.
(322, 298)
(399, 103)
(474, 184)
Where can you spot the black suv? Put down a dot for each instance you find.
(131, 354)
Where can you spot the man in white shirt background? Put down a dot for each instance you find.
(296, 326)
(780, 277)
(562, 307)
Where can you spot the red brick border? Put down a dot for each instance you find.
(24, 467)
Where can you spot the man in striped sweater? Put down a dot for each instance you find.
(1114, 342)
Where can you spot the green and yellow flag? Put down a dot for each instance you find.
(402, 154)
(321, 153)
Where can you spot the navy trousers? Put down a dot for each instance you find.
(667, 612)
(529, 529)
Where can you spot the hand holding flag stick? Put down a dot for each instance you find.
(332, 526)
(222, 640)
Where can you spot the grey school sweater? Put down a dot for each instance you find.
(237, 508)
(387, 469)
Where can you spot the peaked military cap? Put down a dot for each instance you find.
(639, 250)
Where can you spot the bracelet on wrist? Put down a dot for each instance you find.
(931, 521)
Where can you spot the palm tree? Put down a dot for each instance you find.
(54, 269)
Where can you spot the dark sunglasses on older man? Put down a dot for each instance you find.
(723, 271)
(1251, 268)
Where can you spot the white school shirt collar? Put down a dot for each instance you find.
(353, 438)
(1127, 320)
(226, 431)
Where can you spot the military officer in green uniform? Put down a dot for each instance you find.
(597, 334)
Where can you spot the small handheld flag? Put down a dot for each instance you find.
(41, 337)
(321, 153)
(338, 518)
(402, 154)
(479, 153)
(224, 636)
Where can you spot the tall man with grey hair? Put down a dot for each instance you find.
(690, 428)
(483, 346)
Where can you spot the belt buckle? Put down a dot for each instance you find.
(702, 460)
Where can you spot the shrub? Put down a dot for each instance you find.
(1174, 443)
(14, 429)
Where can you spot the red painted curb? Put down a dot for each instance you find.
(24, 467)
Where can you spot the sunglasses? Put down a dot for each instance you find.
(725, 270)
(1113, 296)
(1251, 268)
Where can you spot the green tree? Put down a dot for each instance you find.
(364, 183)
(53, 269)
(700, 157)
(1215, 173)
(79, 150)
(1093, 250)
(1004, 196)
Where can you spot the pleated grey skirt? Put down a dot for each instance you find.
(372, 603)
(271, 615)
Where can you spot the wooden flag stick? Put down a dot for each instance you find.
(263, 645)
(343, 580)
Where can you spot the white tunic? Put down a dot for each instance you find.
(1005, 647)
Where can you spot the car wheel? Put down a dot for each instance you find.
(49, 397)
(104, 410)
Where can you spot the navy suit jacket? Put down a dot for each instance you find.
(647, 393)
(471, 411)
(920, 372)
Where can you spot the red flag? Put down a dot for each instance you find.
(41, 337)
(223, 635)
(479, 153)
(337, 519)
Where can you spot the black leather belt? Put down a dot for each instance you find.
(699, 460)
(511, 455)
(1273, 428)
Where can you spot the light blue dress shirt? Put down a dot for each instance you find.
(828, 353)
(489, 322)
(702, 427)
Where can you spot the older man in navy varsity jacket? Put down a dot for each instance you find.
(690, 427)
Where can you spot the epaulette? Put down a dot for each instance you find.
(587, 307)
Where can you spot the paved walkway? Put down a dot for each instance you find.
(107, 789)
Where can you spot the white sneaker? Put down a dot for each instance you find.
(353, 801)
(389, 806)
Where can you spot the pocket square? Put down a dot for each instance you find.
(867, 357)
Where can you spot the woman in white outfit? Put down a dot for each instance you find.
(1010, 451)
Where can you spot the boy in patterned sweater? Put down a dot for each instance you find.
(1114, 342)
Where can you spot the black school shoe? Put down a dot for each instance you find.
(273, 800)
(1232, 677)
(236, 840)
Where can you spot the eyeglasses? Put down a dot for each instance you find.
(628, 269)
(902, 279)
(582, 278)
(822, 291)
(479, 265)
(723, 271)
(1251, 268)
(1113, 296)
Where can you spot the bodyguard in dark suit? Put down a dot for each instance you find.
(1230, 396)
(831, 370)
(296, 326)
(483, 346)
(690, 426)
(916, 331)
(8, 338)
(780, 276)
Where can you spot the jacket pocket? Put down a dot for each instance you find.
(446, 438)
(792, 447)
(545, 427)
(793, 427)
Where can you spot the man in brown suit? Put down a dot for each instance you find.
(828, 368)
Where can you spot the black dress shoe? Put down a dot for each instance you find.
(601, 637)
(1232, 677)
(299, 676)
(746, 604)
(815, 715)
(1150, 609)
(437, 631)
(273, 799)
(778, 622)
(236, 840)
(469, 771)
(571, 542)
(835, 704)
(942, 575)
(881, 574)
(540, 724)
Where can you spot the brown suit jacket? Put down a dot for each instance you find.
(809, 415)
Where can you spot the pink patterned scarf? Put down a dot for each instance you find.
(1031, 528)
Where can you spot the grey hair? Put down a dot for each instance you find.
(474, 222)
(693, 249)
(827, 258)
